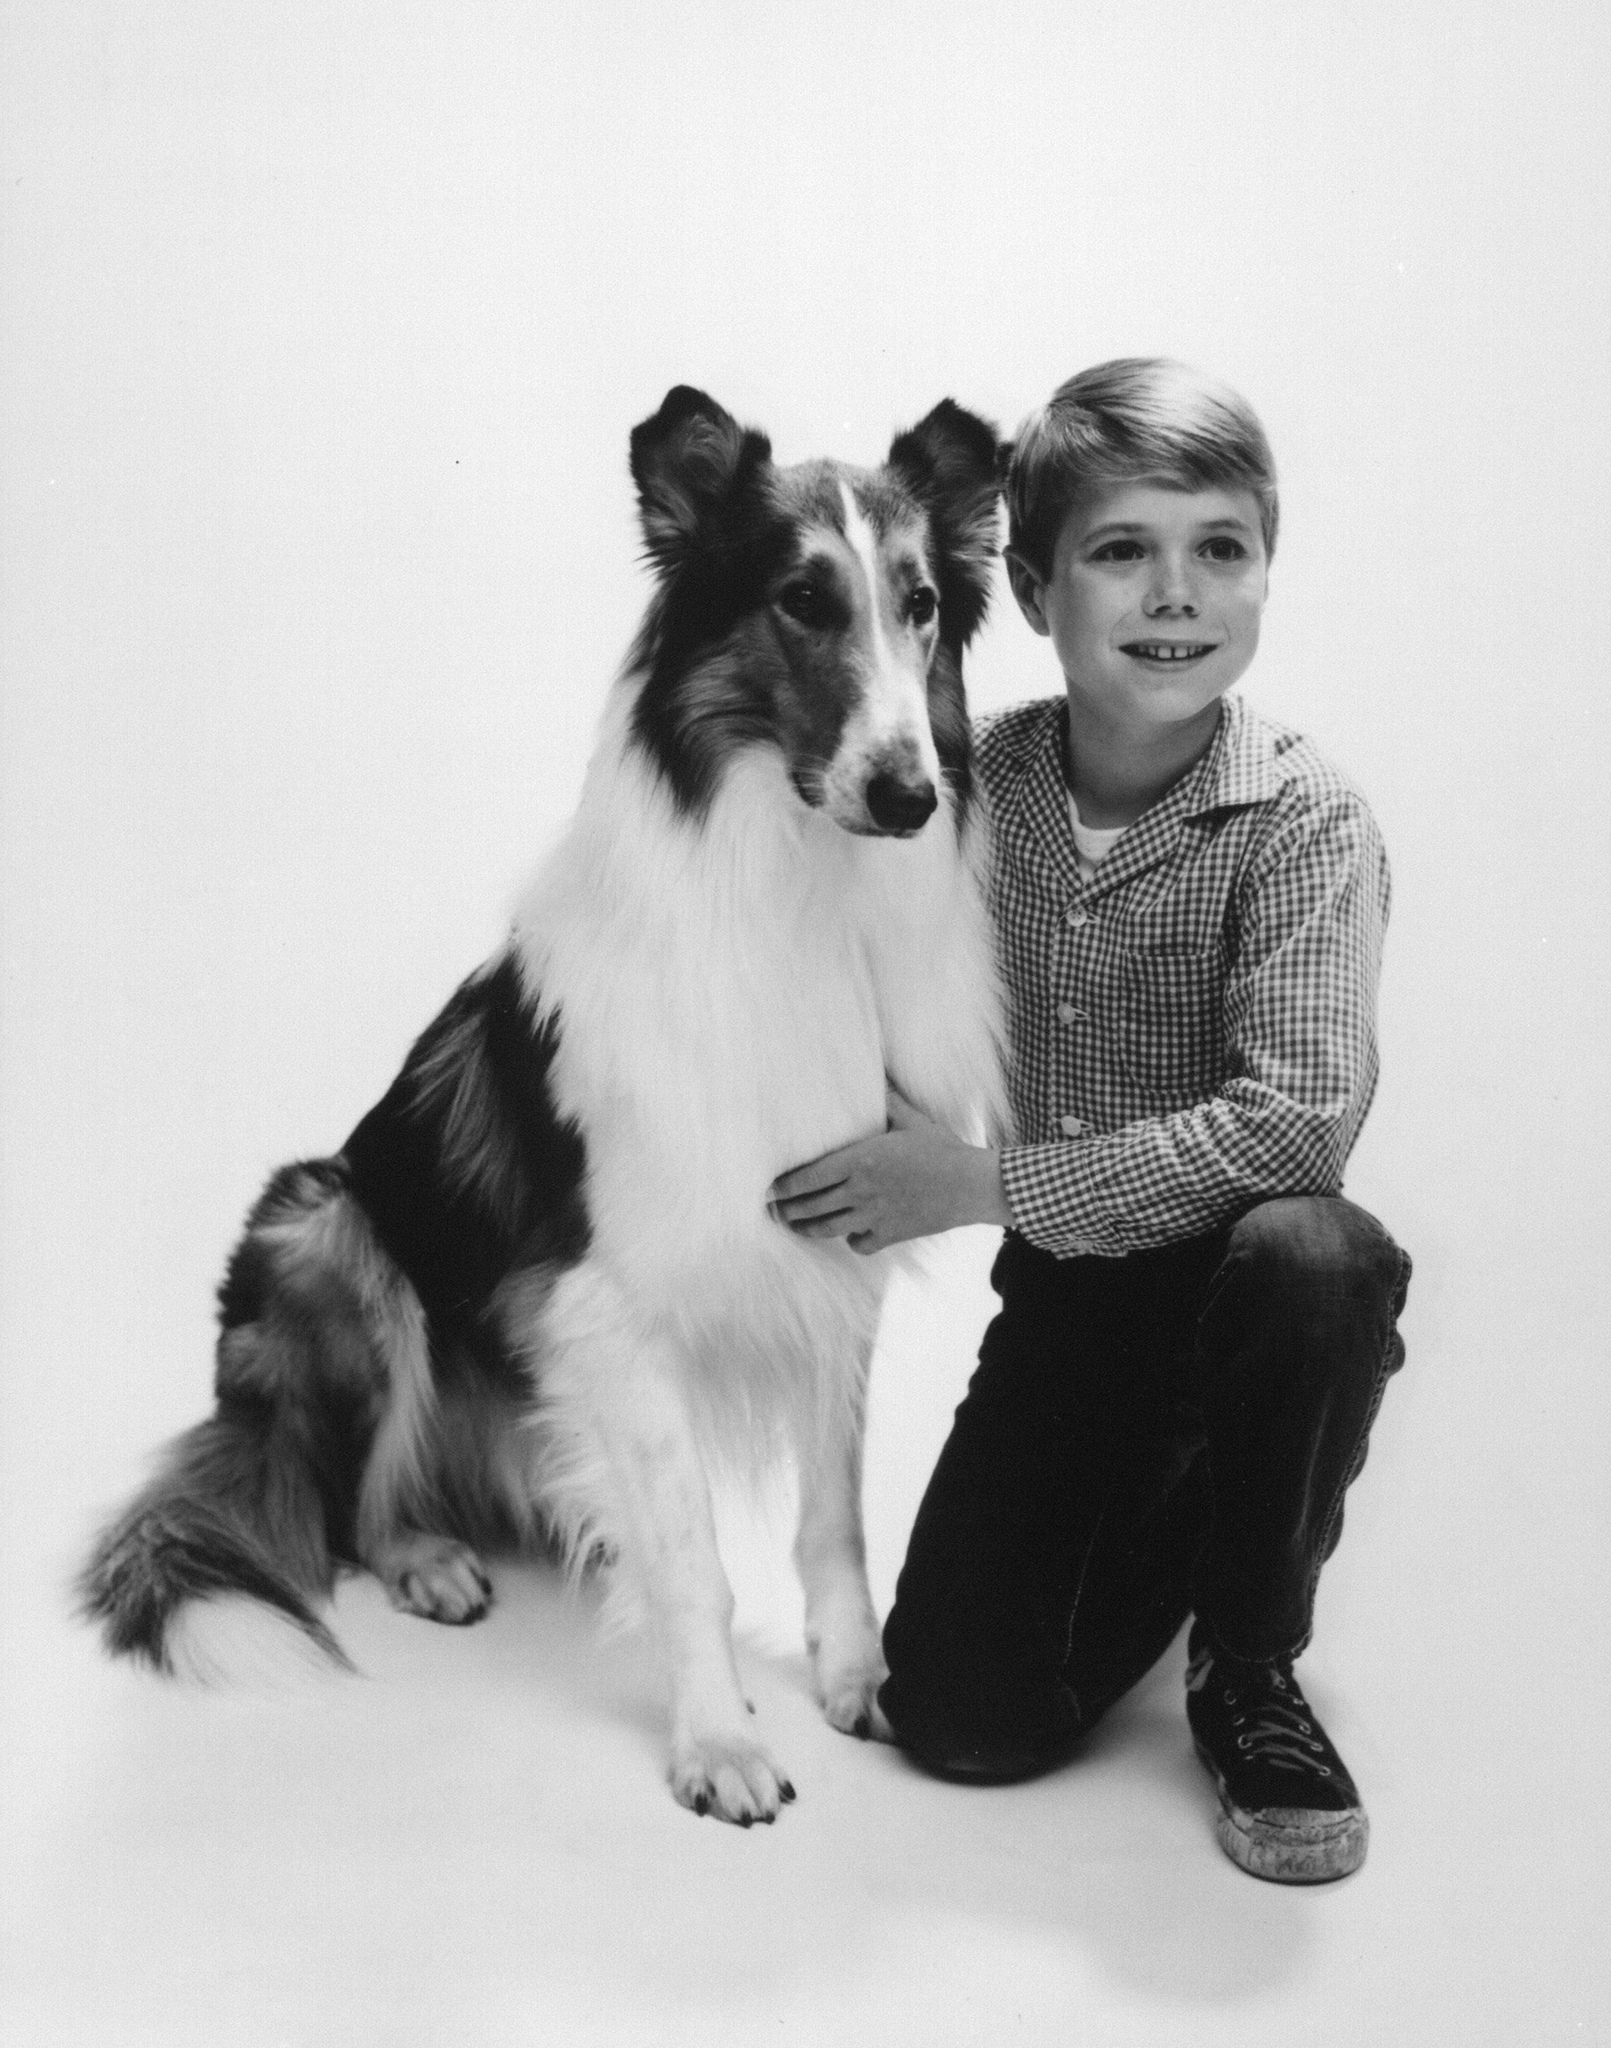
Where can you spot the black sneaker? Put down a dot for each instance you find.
(1288, 1808)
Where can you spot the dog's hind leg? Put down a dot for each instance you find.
(434, 1576)
(623, 1467)
(830, 1554)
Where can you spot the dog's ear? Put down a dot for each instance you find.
(949, 462)
(687, 462)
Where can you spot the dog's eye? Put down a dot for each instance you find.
(805, 603)
(924, 603)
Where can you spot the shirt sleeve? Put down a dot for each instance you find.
(1301, 1061)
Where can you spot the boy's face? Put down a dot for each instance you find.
(1153, 602)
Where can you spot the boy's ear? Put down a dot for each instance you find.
(1027, 587)
(948, 462)
(687, 461)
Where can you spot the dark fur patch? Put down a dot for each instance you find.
(712, 526)
(948, 463)
(459, 1208)
(953, 734)
(698, 709)
(295, 1190)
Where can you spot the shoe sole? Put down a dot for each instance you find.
(1310, 1847)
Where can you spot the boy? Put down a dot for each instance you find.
(1195, 1328)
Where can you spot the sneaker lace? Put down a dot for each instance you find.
(1282, 1737)
(1281, 1734)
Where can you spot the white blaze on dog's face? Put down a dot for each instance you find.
(856, 613)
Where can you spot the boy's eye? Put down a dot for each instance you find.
(1119, 551)
(1224, 547)
(923, 605)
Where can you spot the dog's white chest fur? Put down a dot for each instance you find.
(731, 994)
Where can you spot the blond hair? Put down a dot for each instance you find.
(1133, 420)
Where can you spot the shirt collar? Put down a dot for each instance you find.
(1240, 767)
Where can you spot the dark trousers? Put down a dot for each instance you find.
(1144, 1438)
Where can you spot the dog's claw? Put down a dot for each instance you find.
(728, 1775)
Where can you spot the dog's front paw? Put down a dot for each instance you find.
(729, 1776)
(847, 1685)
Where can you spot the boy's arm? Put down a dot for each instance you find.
(1300, 1036)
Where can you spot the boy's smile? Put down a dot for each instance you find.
(1170, 653)
(1153, 605)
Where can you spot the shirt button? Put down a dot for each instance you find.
(1069, 1013)
(1072, 1126)
(1077, 919)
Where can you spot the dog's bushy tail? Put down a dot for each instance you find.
(234, 1510)
(261, 1498)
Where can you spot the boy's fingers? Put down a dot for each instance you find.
(832, 1225)
(835, 1224)
(824, 1202)
(815, 1177)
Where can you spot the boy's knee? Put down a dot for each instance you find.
(1320, 1245)
(983, 1734)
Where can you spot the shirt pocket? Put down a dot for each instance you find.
(1172, 1023)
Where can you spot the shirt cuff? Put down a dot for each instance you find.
(1047, 1190)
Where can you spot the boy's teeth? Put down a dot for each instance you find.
(1168, 650)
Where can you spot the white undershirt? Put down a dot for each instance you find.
(1090, 845)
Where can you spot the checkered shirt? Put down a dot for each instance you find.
(1193, 1028)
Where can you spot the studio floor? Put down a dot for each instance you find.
(472, 1842)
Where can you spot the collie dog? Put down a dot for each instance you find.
(538, 1293)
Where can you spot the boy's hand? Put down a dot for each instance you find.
(912, 1180)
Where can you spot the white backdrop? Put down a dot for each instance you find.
(324, 327)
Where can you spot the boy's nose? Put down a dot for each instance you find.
(1172, 591)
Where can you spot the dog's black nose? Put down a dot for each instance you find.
(896, 806)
